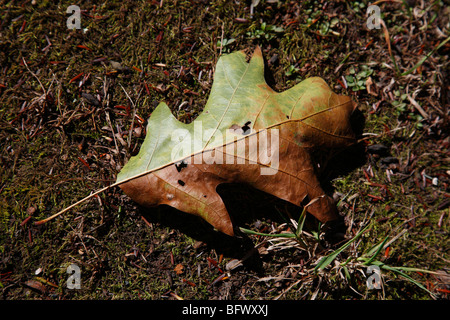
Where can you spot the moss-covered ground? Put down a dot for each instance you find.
(68, 99)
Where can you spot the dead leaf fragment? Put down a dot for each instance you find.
(371, 87)
(179, 269)
(36, 285)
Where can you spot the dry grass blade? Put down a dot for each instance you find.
(388, 42)
(72, 206)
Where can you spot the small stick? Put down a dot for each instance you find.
(418, 107)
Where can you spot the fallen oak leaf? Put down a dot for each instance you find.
(302, 119)
(179, 269)
(181, 165)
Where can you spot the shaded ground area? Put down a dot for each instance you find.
(73, 109)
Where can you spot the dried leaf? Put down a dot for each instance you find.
(182, 164)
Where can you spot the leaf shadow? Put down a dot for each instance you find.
(348, 159)
(248, 207)
(195, 227)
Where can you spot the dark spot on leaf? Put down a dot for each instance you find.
(234, 127)
(181, 182)
(246, 129)
(180, 165)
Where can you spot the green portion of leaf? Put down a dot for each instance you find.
(239, 95)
